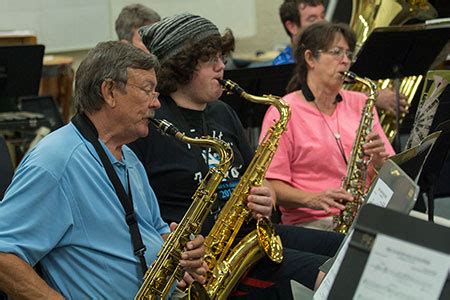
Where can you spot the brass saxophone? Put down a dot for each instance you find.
(161, 275)
(355, 180)
(227, 266)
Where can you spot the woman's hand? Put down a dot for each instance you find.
(327, 199)
(260, 201)
(374, 147)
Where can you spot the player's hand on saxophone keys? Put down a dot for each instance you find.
(374, 147)
(327, 199)
(260, 201)
(192, 260)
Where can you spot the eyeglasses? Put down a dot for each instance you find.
(338, 52)
(215, 59)
(153, 95)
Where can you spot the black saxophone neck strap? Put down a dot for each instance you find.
(88, 130)
(309, 96)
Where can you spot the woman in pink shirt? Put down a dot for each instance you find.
(311, 160)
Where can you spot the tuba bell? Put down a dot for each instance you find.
(370, 14)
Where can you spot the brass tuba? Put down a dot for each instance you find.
(161, 275)
(227, 266)
(370, 14)
(355, 180)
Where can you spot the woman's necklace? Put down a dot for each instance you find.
(336, 135)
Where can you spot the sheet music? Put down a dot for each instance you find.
(398, 269)
(325, 287)
(381, 194)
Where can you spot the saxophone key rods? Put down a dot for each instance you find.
(160, 277)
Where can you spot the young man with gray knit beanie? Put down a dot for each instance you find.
(191, 52)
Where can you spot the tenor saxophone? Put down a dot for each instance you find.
(161, 275)
(355, 180)
(227, 265)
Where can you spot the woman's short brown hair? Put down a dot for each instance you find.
(318, 36)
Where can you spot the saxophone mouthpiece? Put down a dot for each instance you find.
(155, 122)
(164, 126)
(349, 76)
(222, 81)
(231, 87)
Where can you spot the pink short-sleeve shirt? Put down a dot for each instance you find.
(308, 156)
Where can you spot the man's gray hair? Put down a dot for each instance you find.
(107, 61)
(132, 17)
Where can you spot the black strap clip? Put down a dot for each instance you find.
(130, 219)
(140, 251)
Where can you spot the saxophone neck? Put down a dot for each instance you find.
(222, 148)
(281, 105)
(352, 77)
(233, 88)
(225, 153)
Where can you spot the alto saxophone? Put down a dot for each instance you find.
(227, 266)
(161, 275)
(355, 180)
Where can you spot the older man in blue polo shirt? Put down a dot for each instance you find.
(63, 211)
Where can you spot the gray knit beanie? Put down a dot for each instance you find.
(167, 37)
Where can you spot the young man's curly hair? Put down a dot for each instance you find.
(179, 69)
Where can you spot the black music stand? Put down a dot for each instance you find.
(395, 225)
(20, 70)
(400, 51)
(413, 160)
(433, 166)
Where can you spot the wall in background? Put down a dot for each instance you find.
(61, 25)
(71, 27)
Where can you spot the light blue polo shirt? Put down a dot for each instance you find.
(61, 210)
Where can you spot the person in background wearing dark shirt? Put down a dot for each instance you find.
(192, 54)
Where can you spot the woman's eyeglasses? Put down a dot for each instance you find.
(338, 52)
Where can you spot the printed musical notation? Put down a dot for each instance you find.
(398, 269)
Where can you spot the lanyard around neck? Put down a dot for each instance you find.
(88, 130)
